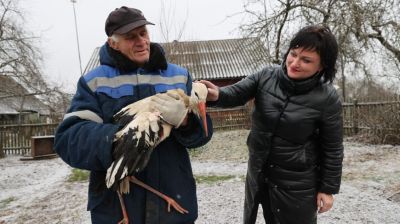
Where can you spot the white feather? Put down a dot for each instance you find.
(112, 171)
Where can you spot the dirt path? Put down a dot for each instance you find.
(38, 191)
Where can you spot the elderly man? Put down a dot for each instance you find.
(131, 69)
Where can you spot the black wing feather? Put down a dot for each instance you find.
(135, 153)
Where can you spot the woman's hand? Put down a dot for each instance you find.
(213, 91)
(324, 202)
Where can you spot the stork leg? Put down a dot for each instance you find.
(124, 213)
(169, 200)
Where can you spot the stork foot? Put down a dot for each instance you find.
(169, 200)
(123, 221)
(175, 205)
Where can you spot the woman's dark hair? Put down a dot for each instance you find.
(320, 39)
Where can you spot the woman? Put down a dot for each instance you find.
(295, 143)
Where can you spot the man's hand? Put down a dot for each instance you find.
(324, 202)
(213, 91)
(171, 107)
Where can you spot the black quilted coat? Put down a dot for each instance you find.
(295, 144)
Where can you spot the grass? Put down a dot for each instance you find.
(196, 152)
(209, 179)
(6, 201)
(78, 175)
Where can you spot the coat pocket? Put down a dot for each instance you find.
(294, 156)
(293, 179)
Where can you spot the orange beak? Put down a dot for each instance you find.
(202, 113)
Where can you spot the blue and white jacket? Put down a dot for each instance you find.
(84, 140)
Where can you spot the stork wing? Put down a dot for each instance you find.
(143, 131)
(128, 113)
(133, 146)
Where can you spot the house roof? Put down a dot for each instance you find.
(10, 102)
(13, 105)
(94, 61)
(211, 59)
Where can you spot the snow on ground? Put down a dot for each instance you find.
(38, 191)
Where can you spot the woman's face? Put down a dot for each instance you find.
(302, 64)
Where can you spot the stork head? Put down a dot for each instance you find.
(197, 103)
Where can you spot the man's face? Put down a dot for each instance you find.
(135, 45)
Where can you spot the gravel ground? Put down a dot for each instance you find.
(38, 191)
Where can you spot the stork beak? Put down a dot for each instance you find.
(202, 113)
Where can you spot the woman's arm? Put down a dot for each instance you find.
(236, 94)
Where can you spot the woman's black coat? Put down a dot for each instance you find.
(295, 144)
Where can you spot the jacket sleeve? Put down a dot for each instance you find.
(331, 139)
(193, 135)
(82, 140)
(240, 92)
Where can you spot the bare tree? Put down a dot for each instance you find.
(20, 59)
(171, 29)
(361, 26)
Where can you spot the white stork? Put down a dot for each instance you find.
(143, 130)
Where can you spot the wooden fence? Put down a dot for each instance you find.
(16, 139)
(229, 119)
(358, 117)
(377, 118)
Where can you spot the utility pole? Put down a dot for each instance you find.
(77, 37)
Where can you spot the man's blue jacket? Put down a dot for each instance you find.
(84, 140)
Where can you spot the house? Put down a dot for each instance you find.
(223, 62)
(17, 105)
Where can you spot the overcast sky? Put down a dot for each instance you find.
(53, 21)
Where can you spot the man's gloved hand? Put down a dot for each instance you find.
(171, 107)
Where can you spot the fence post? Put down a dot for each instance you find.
(355, 116)
(249, 109)
(2, 154)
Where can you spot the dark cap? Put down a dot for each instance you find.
(124, 19)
